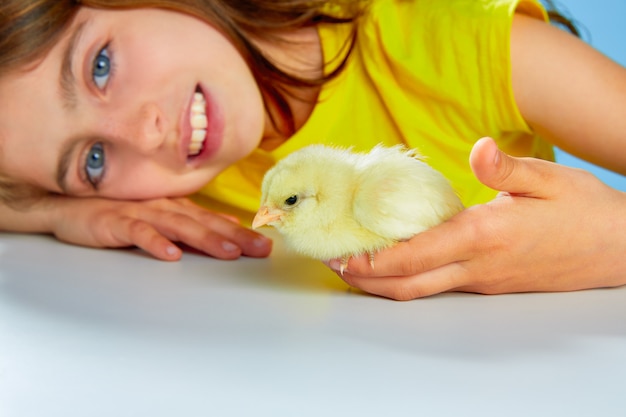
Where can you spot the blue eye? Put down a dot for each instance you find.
(94, 164)
(101, 70)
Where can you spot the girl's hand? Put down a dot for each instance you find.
(552, 228)
(153, 226)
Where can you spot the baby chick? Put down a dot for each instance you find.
(331, 203)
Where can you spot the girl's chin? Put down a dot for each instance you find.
(202, 178)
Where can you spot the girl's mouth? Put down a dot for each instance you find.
(198, 120)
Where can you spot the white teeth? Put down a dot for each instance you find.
(197, 136)
(197, 107)
(194, 148)
(198, 122)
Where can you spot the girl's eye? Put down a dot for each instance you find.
(101, 70)
(94, 164)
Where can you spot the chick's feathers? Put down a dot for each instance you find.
(334, 203)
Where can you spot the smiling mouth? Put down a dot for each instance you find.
(198, 120)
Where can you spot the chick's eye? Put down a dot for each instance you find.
(94, 164)
(101, 69)
(291, 200)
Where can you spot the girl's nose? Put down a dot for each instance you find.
(145, 130)
(149, 133)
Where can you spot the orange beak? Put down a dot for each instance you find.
(265, 216)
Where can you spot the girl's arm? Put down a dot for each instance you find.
(552, 228)
(571, 94)
(150, 225)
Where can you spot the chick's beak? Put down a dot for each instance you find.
(265, 216)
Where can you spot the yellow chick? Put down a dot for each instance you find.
(331, 203)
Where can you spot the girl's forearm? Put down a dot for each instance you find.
(30, 217)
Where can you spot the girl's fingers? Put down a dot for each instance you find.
(405, 288)
(156, 237)
(213, 233)
(157, 226)
(186, 206)
(225, 239)
(449, 242)
(182, 228)
(529, 177)
(251, 243)
(127, 231)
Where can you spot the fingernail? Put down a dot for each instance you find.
(335, 265)
(260, 242)
(172, 250)
(496, 158)
(229, 246)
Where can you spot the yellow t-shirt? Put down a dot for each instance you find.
(434, 75)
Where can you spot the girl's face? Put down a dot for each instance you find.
(130, 104)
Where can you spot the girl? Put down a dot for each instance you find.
(112, 111)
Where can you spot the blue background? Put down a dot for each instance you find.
(602, 24)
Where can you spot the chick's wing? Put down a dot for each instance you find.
(398, 196)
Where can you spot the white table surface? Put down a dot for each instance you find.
(87, 332)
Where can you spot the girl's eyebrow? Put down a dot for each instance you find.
(67, 81)
(64, 161)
